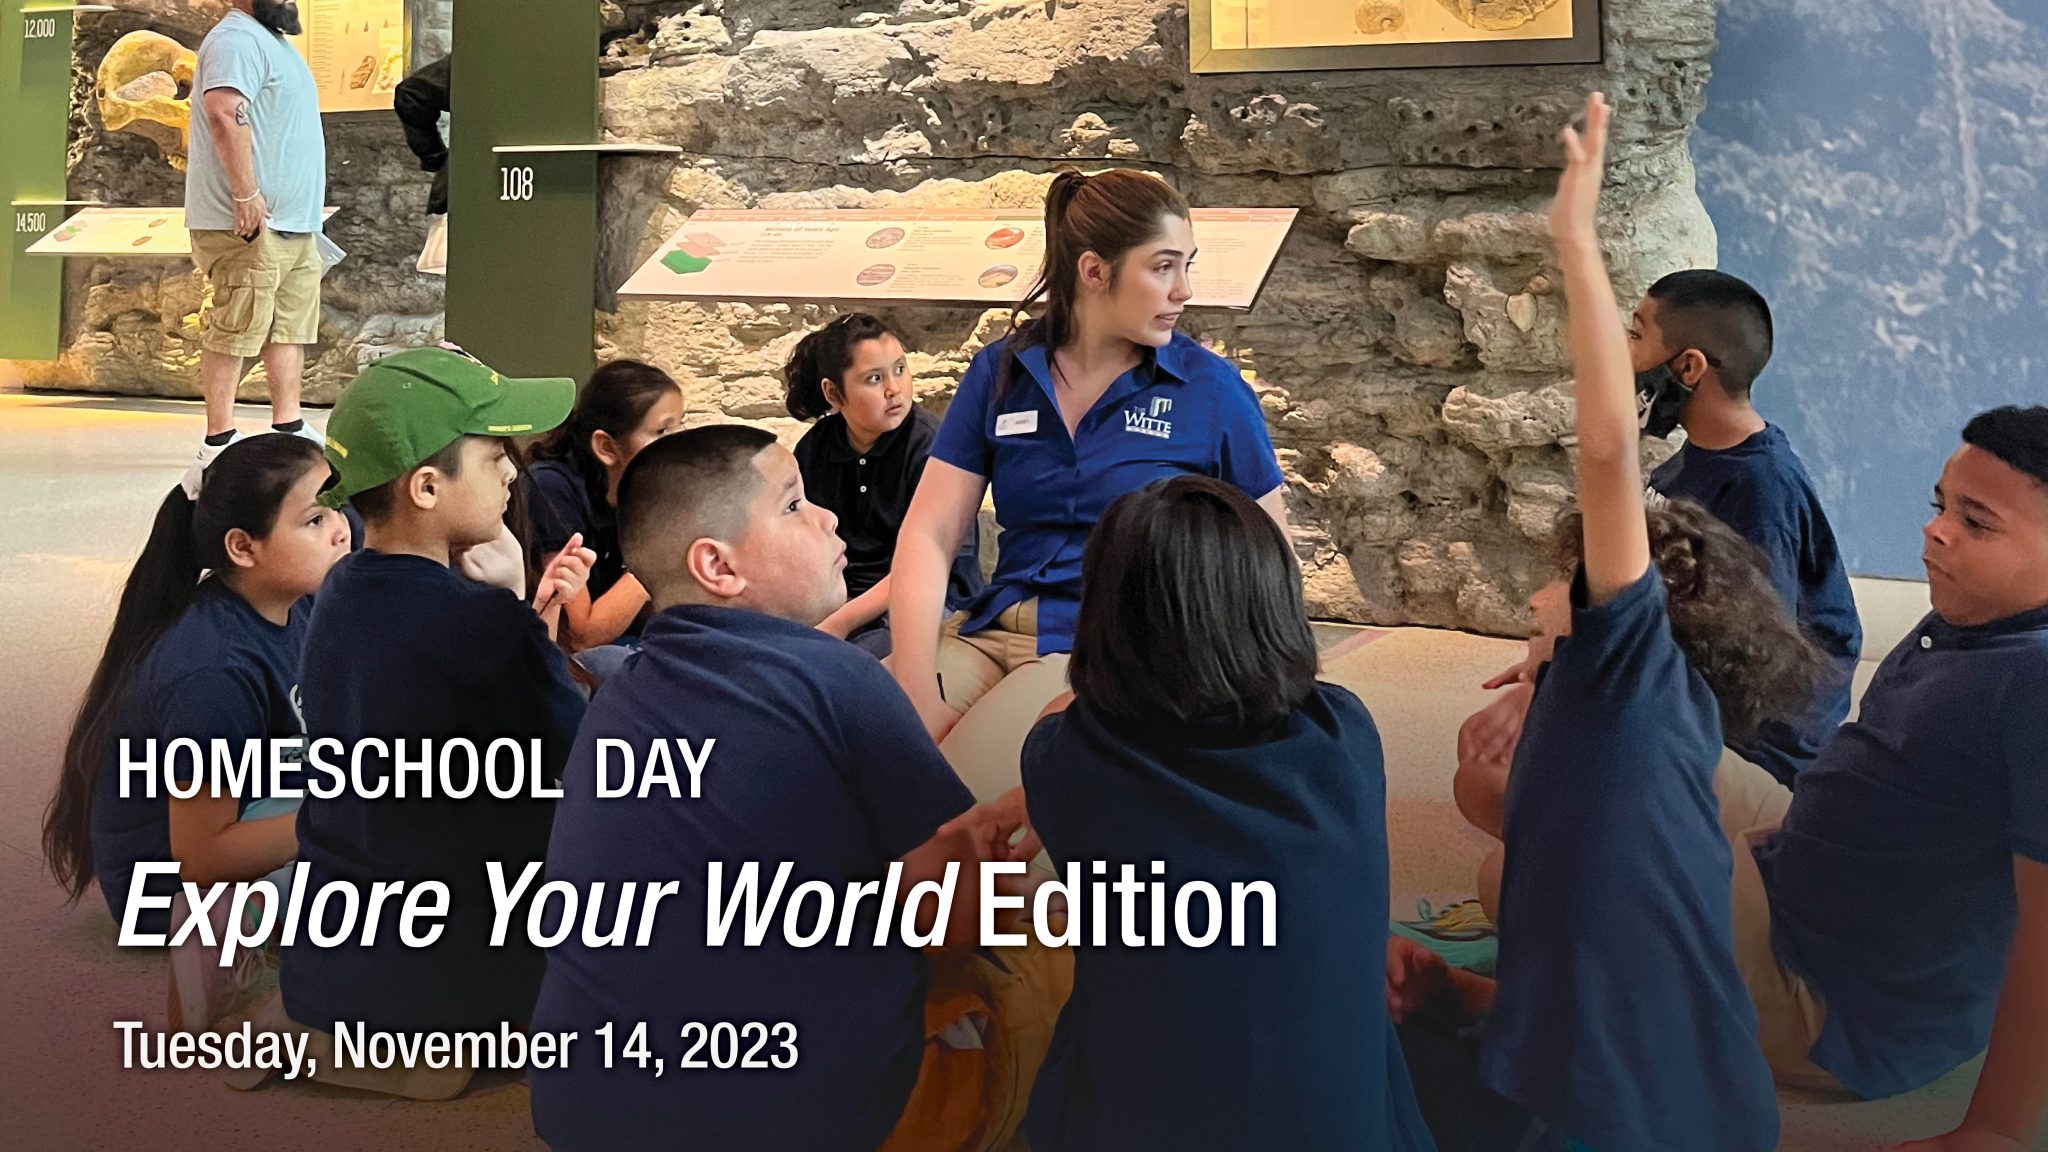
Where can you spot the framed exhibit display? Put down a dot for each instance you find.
(1308, 35)
(358, 50)
(986, 257)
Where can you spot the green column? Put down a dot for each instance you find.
(522, 228)
(35, 111)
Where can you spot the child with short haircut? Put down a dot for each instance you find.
(404, 648)
(862, 460)
(1198, 736)
(812, 758)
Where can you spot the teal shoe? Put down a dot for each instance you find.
(1460, 933)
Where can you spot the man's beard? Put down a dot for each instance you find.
(277, 15)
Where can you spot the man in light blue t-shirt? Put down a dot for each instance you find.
(253, 195)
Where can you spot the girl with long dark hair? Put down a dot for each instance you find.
(205, 645)
(571, 487)
(1096, 395)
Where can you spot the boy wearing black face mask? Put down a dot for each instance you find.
(1698, 341)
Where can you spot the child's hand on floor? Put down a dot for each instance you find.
(1415, 977)
(997, 823)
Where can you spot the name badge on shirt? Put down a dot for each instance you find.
(1017, 423)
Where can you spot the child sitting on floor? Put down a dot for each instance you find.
(810, 758)
(1621, 1018)
(403, 648)
(205, 645)
(862, 460)
(1198, 736)
(571, 488)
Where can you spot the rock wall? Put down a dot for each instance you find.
(1410, 341)
(131, 326)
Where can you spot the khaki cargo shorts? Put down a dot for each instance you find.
(258, 292)
(1789, 1013)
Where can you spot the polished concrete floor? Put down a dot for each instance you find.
(79, 481)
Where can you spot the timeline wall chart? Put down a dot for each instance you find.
(971, 257)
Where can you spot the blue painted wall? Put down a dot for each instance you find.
(1879, 169)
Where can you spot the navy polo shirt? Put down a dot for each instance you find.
(1760, 489)
(1225, 1047)
(1621, 1019)
(1183, 409)
(820, 761)
(1891, 879)
(559, 504)
(870, 493)
(220, 672)
(401, 647)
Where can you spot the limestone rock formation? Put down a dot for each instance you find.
(1409, 344)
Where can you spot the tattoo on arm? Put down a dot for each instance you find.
(242, 113)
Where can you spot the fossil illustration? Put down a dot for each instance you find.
(138, 91)
(1379, 17)
(1494, 15)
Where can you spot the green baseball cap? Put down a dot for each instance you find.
(404, 408)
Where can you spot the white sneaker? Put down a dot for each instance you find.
(196, 471)
(308, 432)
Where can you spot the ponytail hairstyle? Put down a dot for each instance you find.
(244, 488)
(616, 400)
(825, 355)
(1108, 214)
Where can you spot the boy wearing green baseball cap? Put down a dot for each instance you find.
(404, 649)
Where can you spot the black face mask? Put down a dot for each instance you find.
(1660, 397)
(281, 16)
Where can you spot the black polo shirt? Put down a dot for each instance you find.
(870, 493)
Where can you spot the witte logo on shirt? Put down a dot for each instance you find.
(1152, 422)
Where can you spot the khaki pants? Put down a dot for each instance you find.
(999, 683)
(1789, 1014)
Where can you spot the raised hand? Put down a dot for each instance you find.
(1578, 188)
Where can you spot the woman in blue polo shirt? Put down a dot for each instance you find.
(1095, 396)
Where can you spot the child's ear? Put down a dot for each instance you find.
(241, 548)
(709, 563)
(422, 487)
(1691, 367)
(606, 449)
(833, 393)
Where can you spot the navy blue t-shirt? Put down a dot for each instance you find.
(819, 760)
(1184, 409)
(221, 671)
(403, 648)
(559, 504)
(1760, 489)
(1621, 1019)
(1891, 879)
(1181, 1048)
